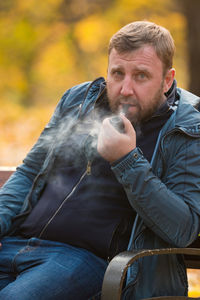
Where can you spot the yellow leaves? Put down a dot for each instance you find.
(19, 130)
(55, 60)
(55, 68)
(127, 4)
(194, 280)
(130, 10)
(10, 113)
(14, 80)
(91, 33)
(37, 9)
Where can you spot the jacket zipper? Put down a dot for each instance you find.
(86, 172)
(88, 168)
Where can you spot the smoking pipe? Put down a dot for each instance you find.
(117, 123)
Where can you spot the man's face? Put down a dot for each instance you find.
(136, 78)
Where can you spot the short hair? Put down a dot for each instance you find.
(137, 34)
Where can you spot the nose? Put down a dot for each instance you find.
(127, 87)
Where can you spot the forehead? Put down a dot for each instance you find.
(144, 57)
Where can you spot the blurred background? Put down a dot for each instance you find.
(48, 46)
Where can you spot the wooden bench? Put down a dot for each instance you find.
(5, 173)
(117, 268)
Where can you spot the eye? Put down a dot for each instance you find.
(141, 76)
(117, 74)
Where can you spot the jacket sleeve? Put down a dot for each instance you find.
(170, 208)
(16, 189)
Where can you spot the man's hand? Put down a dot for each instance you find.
(112, 145)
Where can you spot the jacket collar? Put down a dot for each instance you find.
(186, 117)
(93, 92)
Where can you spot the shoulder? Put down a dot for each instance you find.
(74, 94)
(73, 99)
(188, 97)
(187, 114)
(82, 92)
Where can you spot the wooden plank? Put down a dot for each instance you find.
(5, 173)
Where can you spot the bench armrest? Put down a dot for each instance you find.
(116, 271)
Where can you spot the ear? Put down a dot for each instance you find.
(168, 79)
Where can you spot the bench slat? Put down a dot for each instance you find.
(5, 174)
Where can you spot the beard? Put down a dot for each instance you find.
(140, 115)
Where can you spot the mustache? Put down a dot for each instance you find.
(127, 101)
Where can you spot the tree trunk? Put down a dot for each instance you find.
(191, 9)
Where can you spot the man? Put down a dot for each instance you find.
(86, 191)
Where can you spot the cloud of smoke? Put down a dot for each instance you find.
(74, 140)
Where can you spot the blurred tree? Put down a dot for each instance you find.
(191, 10)
(72, 11)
